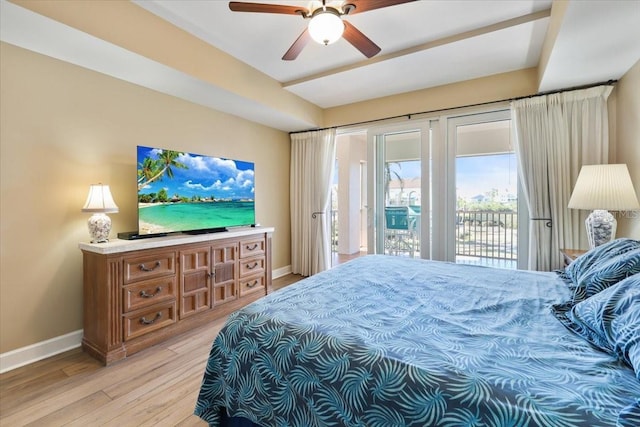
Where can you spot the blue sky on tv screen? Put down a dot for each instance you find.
(198, 175)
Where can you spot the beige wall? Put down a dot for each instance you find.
(627, 142)
(128, 25)
(62, 128)
(477, 91)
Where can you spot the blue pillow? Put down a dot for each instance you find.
(597, 256)
(610, 320)
(630, 415)
(606, 273)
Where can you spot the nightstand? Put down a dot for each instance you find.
(571, 254)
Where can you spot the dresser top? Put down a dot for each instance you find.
(115, 246)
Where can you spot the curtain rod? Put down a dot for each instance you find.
(479, 104)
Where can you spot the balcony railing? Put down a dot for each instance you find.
(334, 231)
(487, 235)
(482, 237)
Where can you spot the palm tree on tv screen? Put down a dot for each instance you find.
(146, 171)
(151, 170)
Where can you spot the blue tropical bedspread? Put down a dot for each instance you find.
(386, 341)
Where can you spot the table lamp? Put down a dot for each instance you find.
(602, 188)
(99, 202)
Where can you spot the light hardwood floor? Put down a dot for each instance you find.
(155, 387)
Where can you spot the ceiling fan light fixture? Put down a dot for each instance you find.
(326, 26)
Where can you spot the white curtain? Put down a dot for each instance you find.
(555, 135)
(312, 158)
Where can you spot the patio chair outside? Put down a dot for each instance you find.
(401, 230)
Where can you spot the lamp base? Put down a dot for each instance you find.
(99, 227)
(601, 227)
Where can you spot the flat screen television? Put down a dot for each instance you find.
(192, 193)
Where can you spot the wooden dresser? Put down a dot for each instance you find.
(140, 292)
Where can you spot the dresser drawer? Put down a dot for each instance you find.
(251, 266)
(251, 285)
(149, 292)
(253, 247)
(144, 321)
(147, 267)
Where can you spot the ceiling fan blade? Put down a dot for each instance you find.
(238, 6)
(359, 40)
(358, 6)
(297, 46)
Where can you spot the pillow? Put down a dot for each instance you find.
(630, 415)
(610, 320)
(603, 274)
(598, 255)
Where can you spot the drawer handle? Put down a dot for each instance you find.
(149, 322)
(144, 268)
(251, 267)
(251, 285)
(144, 294)
(251, 248)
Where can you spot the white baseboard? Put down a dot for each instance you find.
(32, 353)
(279, 272)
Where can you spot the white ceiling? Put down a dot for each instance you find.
(260, 40)
(424, 44)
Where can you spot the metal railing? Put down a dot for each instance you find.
(334, 231)
(489, 237)
(487, 234)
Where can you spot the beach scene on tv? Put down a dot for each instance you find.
(179, 191)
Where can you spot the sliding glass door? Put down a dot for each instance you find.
(484, 213)
(398, 218)
(443, 189)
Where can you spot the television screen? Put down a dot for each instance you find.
(186, 192)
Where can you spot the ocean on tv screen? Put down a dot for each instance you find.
(172, 217)
(180, 191)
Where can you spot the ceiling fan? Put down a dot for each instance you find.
(326, 24)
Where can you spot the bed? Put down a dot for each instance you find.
(389, 341)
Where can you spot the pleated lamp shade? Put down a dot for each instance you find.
(606, 187)
(99, 202)
(603, 188)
